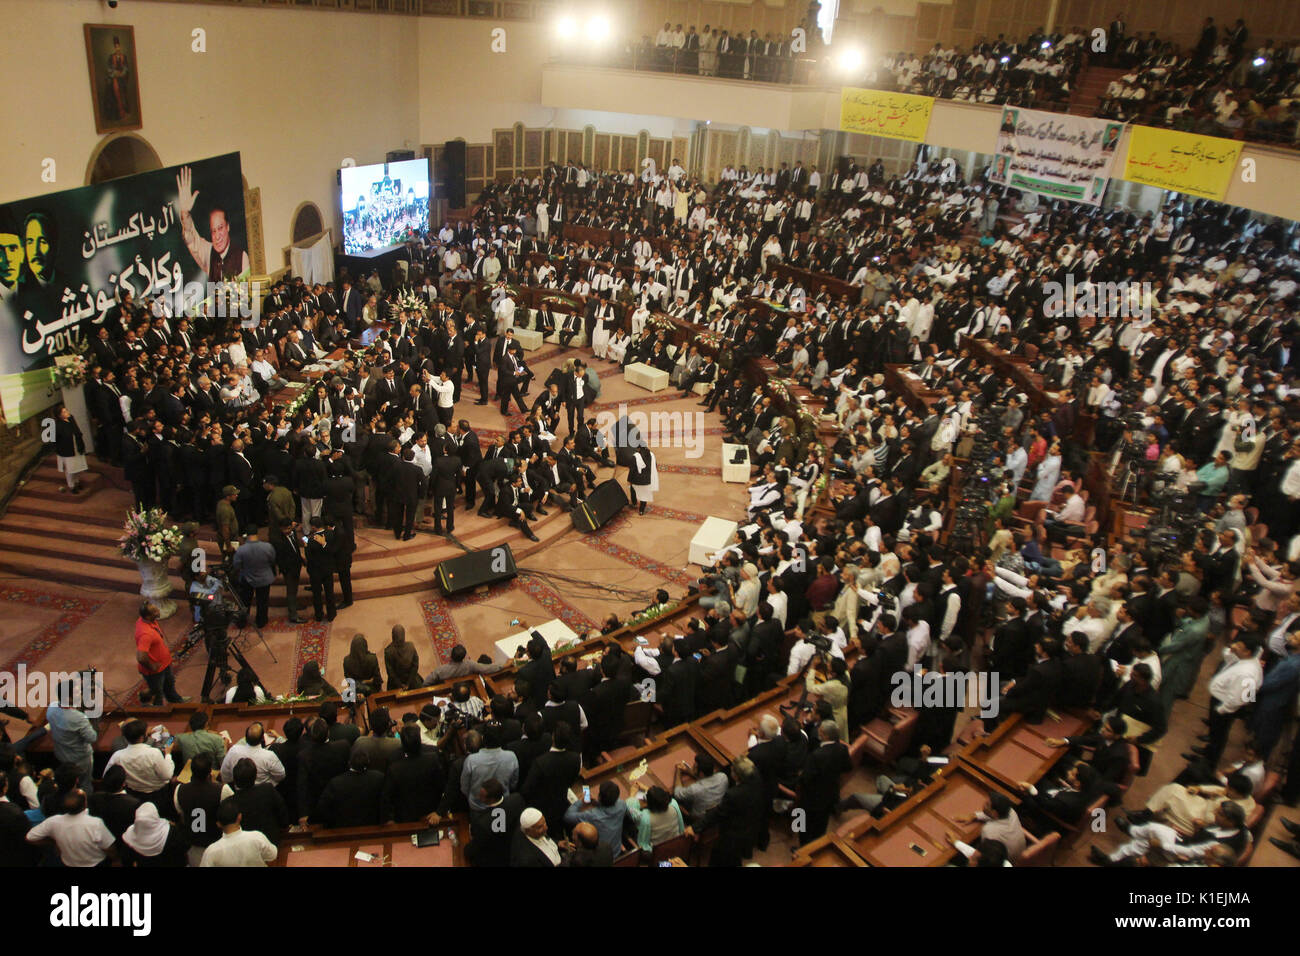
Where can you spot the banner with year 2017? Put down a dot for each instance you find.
(1055, 154)
(66, 257)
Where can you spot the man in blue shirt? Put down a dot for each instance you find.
(605, 814)
(73, 736)
(490, 762)
(254, 568)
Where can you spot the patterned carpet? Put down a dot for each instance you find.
(74, 613)
(700, 470)
(603, 541)
(444, 634)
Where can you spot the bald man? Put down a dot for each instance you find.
(587, 848)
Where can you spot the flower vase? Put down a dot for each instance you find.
(156, 586)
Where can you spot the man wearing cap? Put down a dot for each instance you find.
(227, 521)
(532, 847)
(279, 506)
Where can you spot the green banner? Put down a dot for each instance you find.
(66, 257)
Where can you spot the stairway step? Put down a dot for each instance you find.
(99, 565)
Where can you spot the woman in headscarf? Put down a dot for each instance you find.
(362, 667)
(313, 683)
(152, 841)
(402, 662)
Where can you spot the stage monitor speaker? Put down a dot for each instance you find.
(605, 501)
(399, 156)
(475, 569)
(453, 170)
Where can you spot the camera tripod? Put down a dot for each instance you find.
(213, 631)
(1135, 476)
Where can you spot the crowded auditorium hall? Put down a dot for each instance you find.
(671, 433)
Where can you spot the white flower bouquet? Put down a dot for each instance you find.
(148, 537)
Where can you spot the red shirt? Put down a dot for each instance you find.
(149, 640)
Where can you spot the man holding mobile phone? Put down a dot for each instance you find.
(320, 570)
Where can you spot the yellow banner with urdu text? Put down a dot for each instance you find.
(1184, 162)
(877, 113)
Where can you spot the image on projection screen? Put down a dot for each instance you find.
(383, 204)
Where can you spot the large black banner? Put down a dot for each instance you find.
(67, 257)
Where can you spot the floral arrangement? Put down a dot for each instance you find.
(410, 301)
(148, 537)
(69, 371)
(291, 698)
(649, 614)
(299, 400)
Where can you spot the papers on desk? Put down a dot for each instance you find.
(640, 771)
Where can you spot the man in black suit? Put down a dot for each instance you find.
(550, 777)
(604, 705)
(510, 373)
(492, 829)
(1064, 800)
(1080, 673)
(478, 362)
(576, 394)
(1111, 755)
(1013, 645)
(352, 799)
(819, 784)
(319, 762)
(571, 328)
(465, 441)
(262, 806)
(771, 757)
(1038, 690)
(530, 846)
(408, 488)
(534, 742)
(513, 504)
(740, 818)
(445, 478)
(350, 306)
(413, 785)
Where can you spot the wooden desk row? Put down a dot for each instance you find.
(389, 845)
(914, 833)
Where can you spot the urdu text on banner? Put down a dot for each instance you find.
(66, 257)
(1184, 162)
(877, 113)
(1055, 154)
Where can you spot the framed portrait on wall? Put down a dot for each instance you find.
(114, 80)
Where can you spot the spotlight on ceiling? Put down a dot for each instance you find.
(566, 28)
